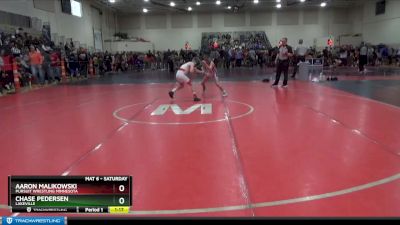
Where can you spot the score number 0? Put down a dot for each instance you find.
(121, 200)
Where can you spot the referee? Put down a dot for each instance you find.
(282, 62)
(363, 59)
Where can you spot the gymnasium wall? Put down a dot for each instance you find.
(80, 29)
(168, 31)
(382, 28)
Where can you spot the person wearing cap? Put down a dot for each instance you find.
(282, 62)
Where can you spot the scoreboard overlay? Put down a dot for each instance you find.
(70, 194)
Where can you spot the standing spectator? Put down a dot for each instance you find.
(6, 78)
(300, 56)
(215, 57)
(83, 63)
(73, 65)
(232, 55)
(325, 55)
(113, 62)
(28, 41)
(36, 60)
(398, 56)
(95, 63)
(391, 53)
(282, 62)
(239, 57)
(252, 57)
(101, 64)
(363, 59)
(108, 62)
(166, 58)
(56, 64)
(374, 57)
(46, 65)
(1, 72)
(343, 56)
(117, 62)
(228, 57)
(171, 64)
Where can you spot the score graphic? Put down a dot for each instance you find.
(71, 194)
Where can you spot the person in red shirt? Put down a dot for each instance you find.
(7, 77)
(56, 64)
(36, 60)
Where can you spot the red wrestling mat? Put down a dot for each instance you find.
(307, 150)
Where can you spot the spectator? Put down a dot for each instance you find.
(228, 58)
(252, 57)
(343, 56)
(239, 57)
(55, 58)
(73, 65)
(363, 59)
(83, 60)
(36, 61)
(16, 52)
(398, 56)
(7, 77)
(46, 65)
(108, 62)
(300, 56)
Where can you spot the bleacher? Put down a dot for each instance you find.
(256, 40)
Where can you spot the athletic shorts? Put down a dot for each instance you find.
(181, 77)
(212, 75)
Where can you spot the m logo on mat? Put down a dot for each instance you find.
(162, 109)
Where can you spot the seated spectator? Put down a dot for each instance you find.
(16, 52)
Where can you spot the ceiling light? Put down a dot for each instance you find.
(172, 4)
(145, 10)
(278, 1)
(111, 1)
(302, 0)
(323, 4)
(255, 1)
(146, 0)
(229, 7)
(189, 8)
(278, 6)
(198, 3)
(218, 2)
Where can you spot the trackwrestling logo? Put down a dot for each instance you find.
(34, 220)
